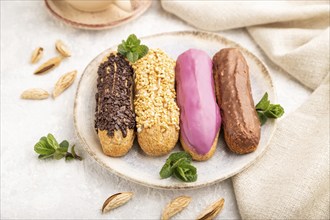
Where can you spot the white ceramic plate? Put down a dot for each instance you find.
(138, 167)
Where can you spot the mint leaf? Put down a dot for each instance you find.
(132, 56)
(69, 157)
(186, 172)
(58, 155)
(48, 147)
(43, 148)
(177, 155)
(131, 48)
(122, 49)
(262, 118)
(64, 145)
(166, 171)
(42, 157)
(129, 56)
(142, 50)
(135, 57)
(274, 111)
(263, 104)
(266, 110)
(179, 173)
(178, 164)
(73, 152)
(132, 40)
(62, 150)
(52, 141)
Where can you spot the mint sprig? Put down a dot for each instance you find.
(132, 48)
(48, 147)
(178, 165)
(267, 110)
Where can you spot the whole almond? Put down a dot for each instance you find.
(175, 206)
(37, 54)
(212, 211)
(49, 65)
(64, 82)
(62, 49)
(35, 94)
(116, 200)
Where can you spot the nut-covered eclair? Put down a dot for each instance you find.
(200, 118)
(157, 114)
(114, 114)
(233, 91)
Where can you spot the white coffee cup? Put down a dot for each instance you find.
(99, 5)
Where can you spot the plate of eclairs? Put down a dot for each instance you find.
(175, 110)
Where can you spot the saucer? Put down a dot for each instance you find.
(109, 18)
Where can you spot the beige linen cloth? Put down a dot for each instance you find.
(291, 181)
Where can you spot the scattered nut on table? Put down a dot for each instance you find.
(62, 49)
(49, 65)
(175, 206)
(64, 82)
(37, 54)
(212, 211)
(116, 200)
(35, 94)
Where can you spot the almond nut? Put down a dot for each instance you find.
(116, 200)
(64, 82)
(35, 94)
(212, 211)
(175, 206)
(62, 49)
(50, 64)
(37, 54)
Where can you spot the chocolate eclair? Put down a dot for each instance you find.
(233, 91)
(114, 114)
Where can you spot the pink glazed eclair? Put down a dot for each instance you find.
(200, 118)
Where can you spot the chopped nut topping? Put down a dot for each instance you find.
(154, 91)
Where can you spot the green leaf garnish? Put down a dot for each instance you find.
(69, 157)
(178, 165)
(52, 141)
(45, 156)
(74, 155)
(142, 50)
(263, 104)
(64, 144)
(48, 147)
(43, 148)
(262, 118)
(166, 171)
(274, 111)
(132, 49)
(267, 110)
(186, 172)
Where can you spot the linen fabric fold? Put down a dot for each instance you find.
(291, 181)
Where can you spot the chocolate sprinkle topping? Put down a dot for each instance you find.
(114, 103)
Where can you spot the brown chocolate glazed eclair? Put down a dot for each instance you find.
(233, 92)
(114, 114)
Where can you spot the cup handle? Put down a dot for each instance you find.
(125, 5)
